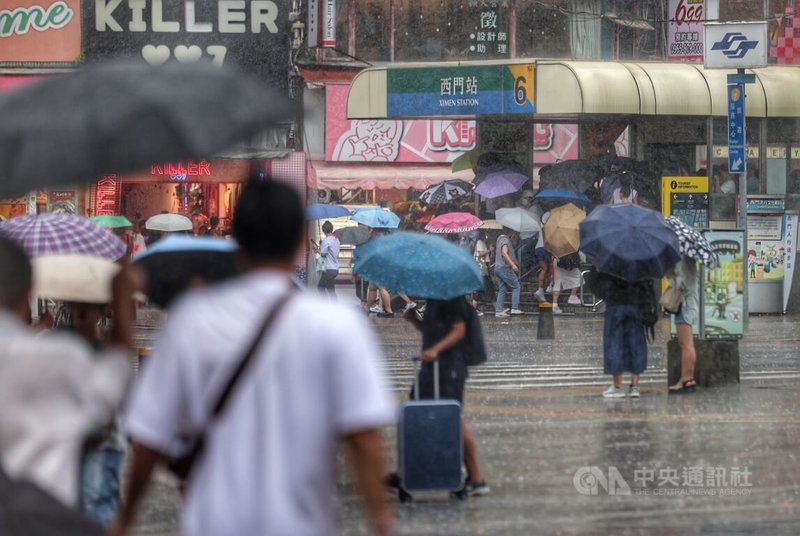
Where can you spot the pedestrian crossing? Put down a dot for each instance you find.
(501, 376)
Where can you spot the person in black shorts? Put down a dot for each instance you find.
(444, 329)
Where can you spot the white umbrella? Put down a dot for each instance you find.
(78, 278)
(169, 223)
(518, 219)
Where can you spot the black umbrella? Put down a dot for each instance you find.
(353, 235)
(175, 263)
(123, 116)
(575, 175)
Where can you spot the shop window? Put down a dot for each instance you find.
(543, 30)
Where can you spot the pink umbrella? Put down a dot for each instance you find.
(454, 222)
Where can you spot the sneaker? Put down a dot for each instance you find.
(502, 313)
(476, 489)
(574, 300)
(549, 288)
(409, 306)
(539, 295)
(376, 309)
(556, 309)
(478, 312)
(614, 392)
(384, 314)
(516, 312)
(633, 392)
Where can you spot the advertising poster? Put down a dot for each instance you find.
(62, 201)
(724, 287)
(685, 32)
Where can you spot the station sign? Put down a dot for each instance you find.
(735, 45)
(461, 91)
(737, 156)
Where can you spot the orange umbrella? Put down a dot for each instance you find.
(561, 232)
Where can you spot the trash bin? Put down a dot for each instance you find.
(545, 328)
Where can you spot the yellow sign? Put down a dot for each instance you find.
(686, 198)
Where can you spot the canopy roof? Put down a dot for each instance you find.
(568, 88)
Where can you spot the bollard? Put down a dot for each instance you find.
(546, 329)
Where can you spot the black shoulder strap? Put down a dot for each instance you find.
(251, 350)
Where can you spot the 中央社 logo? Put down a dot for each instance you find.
(734, 45)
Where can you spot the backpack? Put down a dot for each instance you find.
(650, 312)
(474, 346)
(569, 262)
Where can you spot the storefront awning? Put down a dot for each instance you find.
(571, 88)
(391, 175)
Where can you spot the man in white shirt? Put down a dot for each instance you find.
(269, 458)
(54, 389)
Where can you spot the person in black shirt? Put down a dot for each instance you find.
(444, 328)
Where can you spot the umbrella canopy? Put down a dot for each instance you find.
(445, 191)
(355, 235)
(467, 160)
(176, 262)
(112, 222)
(491, 224)
(377, 217)
(576, 175)
(320, 211)
(497, 183)
(556, 196)
(419, 265)
(693, 244)
(76, 278)
(168, 223)
(561, 230)
(453, 222)
(518, 219)
(57, 234)
(126, 115)
(629, 242)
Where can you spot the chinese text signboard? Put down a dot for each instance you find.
(737, 160)
(489, 35)
(724, 287)
(106, 196)
(461, 91)
(253, 35)
(40, 31)
(685, 33)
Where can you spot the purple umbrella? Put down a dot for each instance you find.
(499, 183)
(54, 234)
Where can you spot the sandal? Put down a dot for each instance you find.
(686, 387)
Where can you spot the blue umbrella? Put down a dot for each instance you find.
(419, 265)
(377, 217)
(562, 197)
(629, 242)
(320, 211)
(177, 261)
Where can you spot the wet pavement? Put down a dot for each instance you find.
(560, 459)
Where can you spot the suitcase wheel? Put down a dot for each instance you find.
(403, 496)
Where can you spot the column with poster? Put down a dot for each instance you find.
(766, 253)
(687, 199)
(723, 287)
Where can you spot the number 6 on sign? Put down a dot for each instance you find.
(523, 89)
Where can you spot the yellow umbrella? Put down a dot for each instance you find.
(561, 232)
(490, 224)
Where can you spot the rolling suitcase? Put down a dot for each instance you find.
(429, 444)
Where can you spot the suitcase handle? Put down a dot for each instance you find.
(418, 367)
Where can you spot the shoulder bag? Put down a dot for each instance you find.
(191, 446)
(672, 299)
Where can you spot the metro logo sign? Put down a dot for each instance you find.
(739, 45)
(40, 32)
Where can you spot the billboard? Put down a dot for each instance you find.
(40, 31)
(723, 299)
